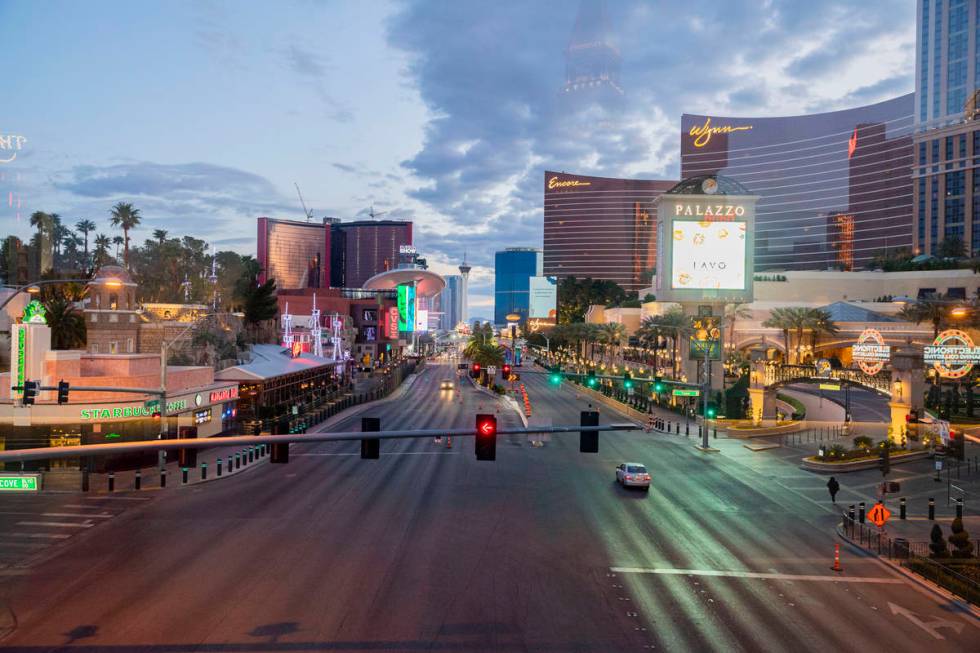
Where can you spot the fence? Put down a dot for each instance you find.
(915, 557)
(817, 435)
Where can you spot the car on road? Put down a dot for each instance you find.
(633, 475)
(446, 384)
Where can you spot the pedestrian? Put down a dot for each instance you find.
(833, 486)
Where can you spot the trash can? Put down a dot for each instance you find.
(900, 548)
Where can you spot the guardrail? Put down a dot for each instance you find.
(914, 556)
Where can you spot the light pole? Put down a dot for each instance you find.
(35, 287)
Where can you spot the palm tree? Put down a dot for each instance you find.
(85, 226)
(820, 324)
(101, 252)
(160, 235)
(66, 322)
(117, 241)
(934, 309)
(734, 313)
(125, 217)
(58, 232)
(673, 325)
(611, 334)
(781, 318)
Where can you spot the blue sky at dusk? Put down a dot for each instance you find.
(204, 114)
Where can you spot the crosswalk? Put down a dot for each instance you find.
(30, 525)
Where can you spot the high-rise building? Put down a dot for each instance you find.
(513, 269)
(451, 302)
(464, 310)
(330, 253)
(946, 146)
(601, 228)
(808, 168)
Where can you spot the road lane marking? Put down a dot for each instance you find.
(755, 574)
(47, 536)
(117, 498)
(102, 515)
(928, 626)
(23, 545)
(393, 453)
(55, 523)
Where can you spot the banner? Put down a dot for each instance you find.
(406, 308)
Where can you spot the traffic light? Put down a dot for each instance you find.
(279, 451)
(627, 380)
(30, 392)
(711, 411)
(486, 437)
(475, 370)
(884, 459)
(588, 441)
(658, 385)
(555, 378)
(590, 378)
(370, 447)
(957, 445)
(505, 370)
(62, 392)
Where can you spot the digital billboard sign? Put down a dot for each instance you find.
(708, 255)
(543, 298)
(406, 308)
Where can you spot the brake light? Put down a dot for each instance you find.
(629, 477)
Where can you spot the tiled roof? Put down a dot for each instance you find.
(270, 361)
(847, 312)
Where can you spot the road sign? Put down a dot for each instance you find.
(686, 392)
(829, 386)
(18, 483)
(152, 405)
(879, 514)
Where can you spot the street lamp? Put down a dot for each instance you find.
(34, 287)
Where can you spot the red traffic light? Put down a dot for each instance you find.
(486, 437)
(487, 426)
(506, 370)
(476, 367)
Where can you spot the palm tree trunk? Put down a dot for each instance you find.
(126, 247)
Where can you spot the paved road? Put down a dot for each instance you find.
(866, 405)
(428, 549)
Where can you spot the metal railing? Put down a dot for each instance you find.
(819, 435)
(914, 556)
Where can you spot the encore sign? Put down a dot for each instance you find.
(952, 354)
(870, 352)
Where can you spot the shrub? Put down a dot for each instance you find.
(937, 545)
(836, 451)
(960, 539)
(862, 442)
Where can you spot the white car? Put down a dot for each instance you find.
(633, 475)
(446, 384)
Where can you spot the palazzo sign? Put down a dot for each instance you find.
(952, 354)
(870, 352)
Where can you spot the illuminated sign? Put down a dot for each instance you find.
(34, 313)
(12, 143)
(224, 395)
(823, 367)
(422, 321)
(852, 143)
(407, 249)
(202, 416)
(702, 133)
(708, 255)
(128, 412)
(555, 182)
(718, 212)
(296, 350)
(952, 354)
(12, 483)
(705, 338)
(543, 298)
(21, 336)
(684, 392)
(392, 326)
(870, 352)
(406, 308)
(829, 386)
(536, 324)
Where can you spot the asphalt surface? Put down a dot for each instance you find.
(428, 549)
(865, 405)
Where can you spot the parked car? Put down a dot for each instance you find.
(633, 475)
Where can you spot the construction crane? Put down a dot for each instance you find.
(374, 216)
(309, 213)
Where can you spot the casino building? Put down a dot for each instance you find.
(601, 228)
(835, 188)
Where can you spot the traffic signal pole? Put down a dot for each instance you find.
(704, 396)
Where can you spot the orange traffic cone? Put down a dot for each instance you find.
(837, 566)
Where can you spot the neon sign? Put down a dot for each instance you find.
(871, 352)
(224, 395)
(35, 313)
(702, 134)
(11, 143)
(21, 354)
(952, 354)
(555, 182)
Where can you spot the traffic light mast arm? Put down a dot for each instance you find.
(94, 388)
(114, 448)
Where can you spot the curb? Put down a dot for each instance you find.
(925, 583)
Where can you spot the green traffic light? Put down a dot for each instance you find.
(628, 384)
(592, 381)
(711, 412)
(556, 378)
(658, 387)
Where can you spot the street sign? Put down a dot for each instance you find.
(829, 386)
(879, 514)
(18, 483)
(686, 392)
(152, 405)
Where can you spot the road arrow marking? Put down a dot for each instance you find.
(928, 626)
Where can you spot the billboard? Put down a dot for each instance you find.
(543, 298)
(708, 255)
(406, 308)
(705, 338)
(422, 320)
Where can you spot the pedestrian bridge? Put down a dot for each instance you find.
(780, 375)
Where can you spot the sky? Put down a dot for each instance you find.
(204, 114)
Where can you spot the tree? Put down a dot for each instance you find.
(820, 324)
(932, 309)
(937, 545)
(85, 227)
(960, 539)
(672, 325)
(612, 334)
(125, 217)
(67, 323)
(160, 235)
(575, 296)
(781, 318)
(260, 305)
(117, 241)
(101, 253)
(951, 247)
(734, 313)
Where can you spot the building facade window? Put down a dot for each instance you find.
(922, 212)
(937, 57)
(924, 64)
(933, 214)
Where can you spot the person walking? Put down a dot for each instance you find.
(833, 487)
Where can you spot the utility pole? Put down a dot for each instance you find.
(704, 394)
